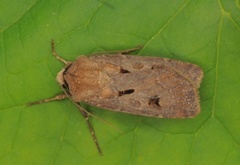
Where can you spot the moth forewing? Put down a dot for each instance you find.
(147, 86)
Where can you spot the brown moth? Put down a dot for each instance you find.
(145, 86)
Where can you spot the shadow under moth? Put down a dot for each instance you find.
(145, 86)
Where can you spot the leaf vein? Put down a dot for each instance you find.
(60, 140)
(20, 16)
(134, 140)
(164, 26)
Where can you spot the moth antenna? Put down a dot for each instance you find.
(57, 56)
(57, 97)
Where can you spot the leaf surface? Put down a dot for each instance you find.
(206, 33)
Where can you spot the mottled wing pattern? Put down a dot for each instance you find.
(147, 86)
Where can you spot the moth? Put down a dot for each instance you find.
(145, 86)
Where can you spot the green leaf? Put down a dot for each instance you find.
(206, 33)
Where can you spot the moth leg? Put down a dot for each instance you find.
(57, 97)
(127, 51)
(86, 116)
(57, 56)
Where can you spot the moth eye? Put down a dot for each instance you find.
(126, 92)
(124, 71)
(65, 85)
(154, 100)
